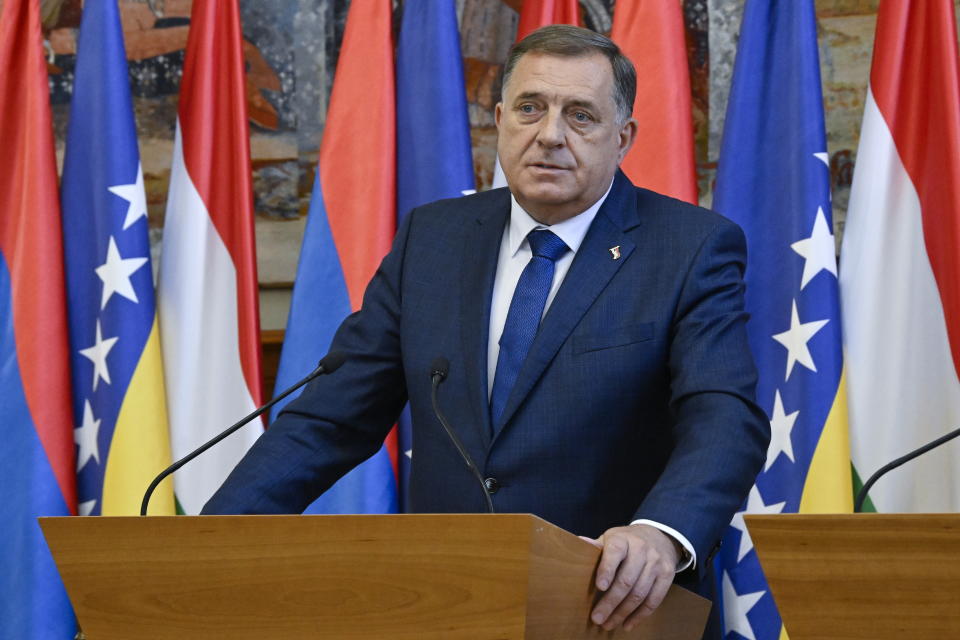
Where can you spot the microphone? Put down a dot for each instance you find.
(330, 363)
(862, 494)
(438, 373)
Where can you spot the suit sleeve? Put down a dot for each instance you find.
(339, 420)
(719, 434)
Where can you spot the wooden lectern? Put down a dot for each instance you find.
(870, 576)
(470, 577)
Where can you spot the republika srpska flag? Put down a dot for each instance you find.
(207, 293)
(900, 262)
(36, 455)
(539, 13)
(651, 34)
(349, 229)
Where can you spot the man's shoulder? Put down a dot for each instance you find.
(466, 207)
(665, 221)
(674, 212)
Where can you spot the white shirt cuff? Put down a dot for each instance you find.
(683, 564)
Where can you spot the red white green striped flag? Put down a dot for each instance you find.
(207, 295)
(900, 263)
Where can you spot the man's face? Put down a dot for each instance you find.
(560, 138)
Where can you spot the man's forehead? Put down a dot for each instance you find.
(540, 74)
(561, 60)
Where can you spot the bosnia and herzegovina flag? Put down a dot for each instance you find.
(207, 293)
(651, 34)
(900, 263)
(350, 226)
(773, 179)
(118, 396)
(434, 158)
(36, 455)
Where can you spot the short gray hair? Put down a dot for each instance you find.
(574, 42)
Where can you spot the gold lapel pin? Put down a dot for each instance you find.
(615, 252)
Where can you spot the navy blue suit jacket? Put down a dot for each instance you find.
(636, 400)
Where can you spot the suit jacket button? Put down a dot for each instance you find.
(491, 485)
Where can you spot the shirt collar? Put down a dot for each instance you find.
(572, 230)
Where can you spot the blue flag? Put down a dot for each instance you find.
(774, 180)
(320, 303)
(434, 159)
(433, 129)
(118, 396)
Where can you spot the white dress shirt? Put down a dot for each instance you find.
(514, 255)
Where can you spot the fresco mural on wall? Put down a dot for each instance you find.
(291, 51)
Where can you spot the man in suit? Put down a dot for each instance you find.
(599, 369)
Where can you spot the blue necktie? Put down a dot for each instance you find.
(523, 318)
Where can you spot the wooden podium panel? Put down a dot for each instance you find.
(497, 577)
(869, 576)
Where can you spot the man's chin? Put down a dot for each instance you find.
(543, 197)
(546, 205)
(552, 189)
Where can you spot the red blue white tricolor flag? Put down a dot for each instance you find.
(207, 293)
(350, 226)
(118, 397)
(900, 263)
(651, 34)
(539, 13)
(36, 455)
(773, 179)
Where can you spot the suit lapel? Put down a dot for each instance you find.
(592, 269)
(481, 251)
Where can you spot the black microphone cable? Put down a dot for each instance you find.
(438, 373)
(330, 363)
(862, 494)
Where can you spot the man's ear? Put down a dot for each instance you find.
(628, 135)
(497, 114)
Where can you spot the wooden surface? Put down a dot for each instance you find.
(561, 564)
(870, 576)
(400, 577)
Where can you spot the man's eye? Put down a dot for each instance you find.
(526, 108)
(580, 116)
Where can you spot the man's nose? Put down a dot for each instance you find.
(552, 131)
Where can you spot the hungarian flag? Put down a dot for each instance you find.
(207, 295)
(350, 226)
(651, 35)
(36, 455)
(900, 263)
(533, 15)
(118, 395)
